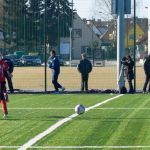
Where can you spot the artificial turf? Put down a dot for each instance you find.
(27, 118)
(122, 122)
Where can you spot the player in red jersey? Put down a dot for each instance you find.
(3, 93)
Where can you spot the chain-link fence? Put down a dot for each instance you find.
(30, 29)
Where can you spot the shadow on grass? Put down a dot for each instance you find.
(57, 117)
(111, 119)
(44, 118)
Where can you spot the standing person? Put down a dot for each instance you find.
(147, 74)
(9, 77)
(54, 64)
(84, 67)
(3, 94)
(129, 64)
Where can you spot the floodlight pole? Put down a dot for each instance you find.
(120, 43)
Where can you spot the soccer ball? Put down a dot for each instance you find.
(79, 109)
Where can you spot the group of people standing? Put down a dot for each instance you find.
(84, 67)
(130, 73)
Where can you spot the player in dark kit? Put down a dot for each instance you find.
(3, 93)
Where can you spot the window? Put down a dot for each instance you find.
(77, 33)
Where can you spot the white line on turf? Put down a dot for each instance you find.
(59, 123)
(121, 108)
(9, 147)
(39, 108)
(104, 108)
(77, 147)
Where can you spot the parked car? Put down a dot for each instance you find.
(13, 58)
(19, 54)
(27, 60)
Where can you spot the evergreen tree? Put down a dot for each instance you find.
(13, 22)
(58, 20)
(29, 23)
(35, 30)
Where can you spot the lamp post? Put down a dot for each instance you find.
(47, 47)
(135, 45)
(58, 35)
(148, 12)
(60, 18)
(93, 48)
(70, 30)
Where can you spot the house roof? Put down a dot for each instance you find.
(108, 32)
(141, 22)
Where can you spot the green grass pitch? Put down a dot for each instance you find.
(124, 121)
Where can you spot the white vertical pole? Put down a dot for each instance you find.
(149, 30)
(120, 42)
(70, 29)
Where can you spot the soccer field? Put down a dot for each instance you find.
(49, 122)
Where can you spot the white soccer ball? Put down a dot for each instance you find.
(79, 109)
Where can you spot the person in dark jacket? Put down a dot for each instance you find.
(10, 70)
(129, 65)
(147, 74)
(84, 67)
(54, 64)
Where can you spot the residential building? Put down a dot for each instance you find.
(82, 39)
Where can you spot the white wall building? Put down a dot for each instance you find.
(83, 35)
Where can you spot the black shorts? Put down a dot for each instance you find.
(2, 90)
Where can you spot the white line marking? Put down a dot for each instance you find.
(59, 123)
(77, 147)
(104, 108)
(122, 108)
(40, 108)
(99, 104)
(9, 147)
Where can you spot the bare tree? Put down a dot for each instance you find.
(103, 9)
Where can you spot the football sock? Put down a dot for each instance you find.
(4, 107)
